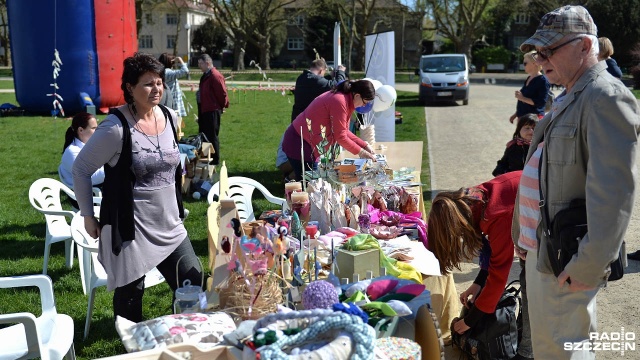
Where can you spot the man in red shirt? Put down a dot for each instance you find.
(212, 100)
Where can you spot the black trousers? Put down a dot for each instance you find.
(209, 124)
(127, 300)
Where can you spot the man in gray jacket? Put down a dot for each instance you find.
(586, 148)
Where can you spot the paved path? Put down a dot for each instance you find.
(464, 144)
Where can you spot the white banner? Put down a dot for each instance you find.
(337, 57)
(380, 65)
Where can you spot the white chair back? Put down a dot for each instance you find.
(49, 336)
(241, 192)
(44, 196)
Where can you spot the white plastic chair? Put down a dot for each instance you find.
(241, 192)
(92, 273)
(49, 336)
(44, 195)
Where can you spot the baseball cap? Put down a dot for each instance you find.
(556, 24)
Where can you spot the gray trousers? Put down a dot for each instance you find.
(557, 315)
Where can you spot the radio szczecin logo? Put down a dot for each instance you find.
(605, 341)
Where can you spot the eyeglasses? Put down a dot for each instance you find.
(545, 54)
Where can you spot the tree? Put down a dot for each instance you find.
(619, 20)
(460, 21)
(357, 19)
(253, 21)
(178, 7)
(143, 6)
(4, 33)
(354, 22)
(209, 38)
(318, 32)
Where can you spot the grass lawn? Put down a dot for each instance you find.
(31, 148)
(6, 84)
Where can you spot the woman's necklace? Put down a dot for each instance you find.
(157, 146)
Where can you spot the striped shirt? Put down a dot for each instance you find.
(530, 202)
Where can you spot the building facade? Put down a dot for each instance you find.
(387, 15)
(170, 25)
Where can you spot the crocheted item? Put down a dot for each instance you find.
(395, 348)
(319, 294)
(361, 334)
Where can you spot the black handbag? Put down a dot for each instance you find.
(496, 336)
(563, 235)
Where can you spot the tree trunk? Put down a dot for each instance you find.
(238, 56)
(265, 53)
(352, 34)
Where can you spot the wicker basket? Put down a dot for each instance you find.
(236, 297)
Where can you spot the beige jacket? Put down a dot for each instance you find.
(590, 153)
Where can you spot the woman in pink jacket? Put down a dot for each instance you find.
(332, 112)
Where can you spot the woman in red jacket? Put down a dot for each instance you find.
(471, 222)
(332, 112)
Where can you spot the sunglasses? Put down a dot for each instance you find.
(545, 54)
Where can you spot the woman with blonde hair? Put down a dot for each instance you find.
(472, 222)
(606, 50)
(532, 97)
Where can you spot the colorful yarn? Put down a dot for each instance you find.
(319, 294)
(363, 335)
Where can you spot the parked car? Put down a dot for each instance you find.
(444, 77)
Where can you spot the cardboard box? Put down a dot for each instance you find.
(186, 185)
(357, 262)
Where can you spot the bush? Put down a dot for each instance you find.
(492, 55)
(635, 72)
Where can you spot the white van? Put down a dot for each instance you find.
(444, 77)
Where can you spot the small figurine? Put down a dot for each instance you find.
(296, 225)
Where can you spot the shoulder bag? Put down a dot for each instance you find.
(495, 336)
(563, 235)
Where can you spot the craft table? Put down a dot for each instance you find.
(444, 296)
(399, 154)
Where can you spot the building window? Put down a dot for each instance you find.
(518, 40)
(297, 20)
(522, 18)
(295, 44)
(171, 41)
(145, 42)
(172, 19)
(148, 18)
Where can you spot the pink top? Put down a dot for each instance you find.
(332, 111)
